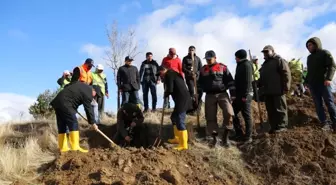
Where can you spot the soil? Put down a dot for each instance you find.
(303, 155)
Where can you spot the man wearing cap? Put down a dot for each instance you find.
(175, 87)
(173, 62)
(128, 81)
(148, 78)
(321, 70)
(99, 80)
(256, 76)
(64, 80)
(275, 79)
(244, 95)
(191, 73)
(83, 73)
(215, 79)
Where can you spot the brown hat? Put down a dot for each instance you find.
(267, 48)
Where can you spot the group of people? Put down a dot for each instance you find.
(272, 81)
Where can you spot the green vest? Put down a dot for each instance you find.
(65, 82)
(256, 74)
(99, 79)
(296, 65)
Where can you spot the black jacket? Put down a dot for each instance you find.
(152, 66)
(187, 65)
(243, 78)
(175, 86)
(71, 97)
(320, 64)
(127, 114)
(128, 78)
(275, 76)
(216, 78)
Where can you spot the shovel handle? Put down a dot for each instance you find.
(101, 133)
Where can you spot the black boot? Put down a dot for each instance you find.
(226, 142)
(214, 142)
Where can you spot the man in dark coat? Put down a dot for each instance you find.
(321, 70)
(275, 79)
(148, 78)
(128, 81)
(66, 104)
(244, 96)
(190, 74)
(175, 86)
(130, 128)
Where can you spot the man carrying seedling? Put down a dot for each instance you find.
(191, 73)
(321, 70)
(244, 95)
(66, 104)
(215, 80)
(130, 128)
(275, 79)
(175, 86)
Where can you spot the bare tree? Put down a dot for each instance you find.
(122, 44)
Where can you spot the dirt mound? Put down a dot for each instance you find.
(130, 166)
(304, 155)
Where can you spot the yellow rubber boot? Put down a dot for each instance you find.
(175, 140)
(63, 143)
(183, 140)
(74, 142)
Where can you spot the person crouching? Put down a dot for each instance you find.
(130, 128)
(175, 86)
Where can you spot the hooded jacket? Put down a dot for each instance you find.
(320, 64)
(275, 76)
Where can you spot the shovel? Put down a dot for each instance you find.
(158, 140)
(262, 123)
(100, 132)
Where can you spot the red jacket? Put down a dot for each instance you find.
(173, 63)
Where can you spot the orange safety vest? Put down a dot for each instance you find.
(85, 77)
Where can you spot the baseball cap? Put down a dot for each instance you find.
(128, 58)
(100, 67)
(89, 61)
(268, 48)
(254, 58)
(210, 54)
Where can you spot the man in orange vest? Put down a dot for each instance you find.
(82, 73)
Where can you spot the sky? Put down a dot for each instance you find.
(41, 39)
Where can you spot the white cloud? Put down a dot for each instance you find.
(287, 3)
(199, 2)
(17, 34)
(130, 6)
(226, 31)
(14, 107)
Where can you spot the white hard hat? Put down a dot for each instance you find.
(66, 72)
(100, 67)
(254, 58)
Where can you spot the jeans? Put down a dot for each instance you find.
(101, 104)
(178, 119)
(245, 109)
(96, 113)
(63, 124)
(146, 86)
(322, 93)
(130, 97)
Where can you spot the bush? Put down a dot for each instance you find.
(41, 108)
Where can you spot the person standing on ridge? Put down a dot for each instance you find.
(188, 70)
(215, 79)
(128, 81)
(172, 61)
(83, 73)
(149, 80)
(256, 76)
(64, 80)
(275, 79)
(175, 87)
(66, 104)
(321, 70)
(99, 80)
(244, 95)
